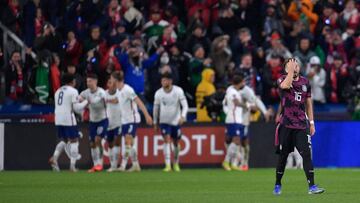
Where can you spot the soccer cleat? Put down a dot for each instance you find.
(226, 166)
(244, 168)
(176, 168)
(54, 165)
(73, 169)
(315, 190)
(98, 167)
(167, 168)
(111, 169)
(235, 167)
(134, 168)
(277, 190)
(121, 169)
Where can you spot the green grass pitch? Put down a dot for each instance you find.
(190, 185)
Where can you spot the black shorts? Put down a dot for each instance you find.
(290, 138)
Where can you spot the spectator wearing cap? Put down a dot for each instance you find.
(198, 36)
(277, 47)
(205, 88)
(337, 78)
(303, 10)
(304, 52)
(241, 44)
(317, 78)
(272, 22)
(220, 55)
(155, 26)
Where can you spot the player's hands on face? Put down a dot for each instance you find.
(149, 120)
(181, 121)
(291, 65)
(312, 129)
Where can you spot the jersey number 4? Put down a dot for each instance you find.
(297, 96)
(60, 99)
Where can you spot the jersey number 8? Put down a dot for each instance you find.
(60, 99)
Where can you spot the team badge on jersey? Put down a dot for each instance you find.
(304, 88)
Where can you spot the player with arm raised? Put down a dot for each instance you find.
(234, 107)
(98, 119)
(66, 102)
(130, 118)
(296, 102)
(113, 109)
(248, 95)
(170, 109)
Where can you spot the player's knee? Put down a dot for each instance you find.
(228, 140)
(128, 140)
(167, 139)
(236, 140)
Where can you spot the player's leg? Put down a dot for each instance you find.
(176, 137)
(130, 148)
(303, 145)
(245, 148)
(74, 153)
(95, 150)
(233, 147)
(116, 148)
(110, 140)
(59, 149)
(125, 156)
(286, 145)
(166, 133)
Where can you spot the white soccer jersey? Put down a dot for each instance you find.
(233, 112)
(249, 96)
(129, 109)
(97, 105)
(113, 110)
(170, 106)
(65, 97)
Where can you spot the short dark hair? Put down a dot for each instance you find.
(67, 78)
(118, 75)
(92, 76)
(167, 75)
(238, 78)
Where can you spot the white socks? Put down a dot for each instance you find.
(74, 154)
(126, 156)
(114, 156)
(167, 154)
(134, 156)
(246, 155)
(231, 152)
(96, 156)
(235, 160)
(60, 147)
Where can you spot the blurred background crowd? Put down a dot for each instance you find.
(202, 42)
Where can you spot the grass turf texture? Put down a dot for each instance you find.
(190, 185)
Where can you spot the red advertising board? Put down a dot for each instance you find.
(199, 145)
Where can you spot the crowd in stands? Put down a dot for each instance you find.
(202, 42)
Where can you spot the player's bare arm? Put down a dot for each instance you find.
(310, 114)
(142, 107)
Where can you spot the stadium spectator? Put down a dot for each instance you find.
(15, 77)
(242, 43)
(32, 21)
(277, 47)
(228, 22)
(220, 55)
(304, 52)
(55, 75)
(95, 42)
(337, 78)
(247, 69)
(49, 39)
(156, 25)
(272, 22)
(198, 36)
(317, 79)
(205, 88)
(11, 16)
(303, 10)
(73, 49)
(271, 74)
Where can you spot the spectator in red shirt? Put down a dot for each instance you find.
(337, 78)
(73, 49)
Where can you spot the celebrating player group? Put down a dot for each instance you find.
(114, 114)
